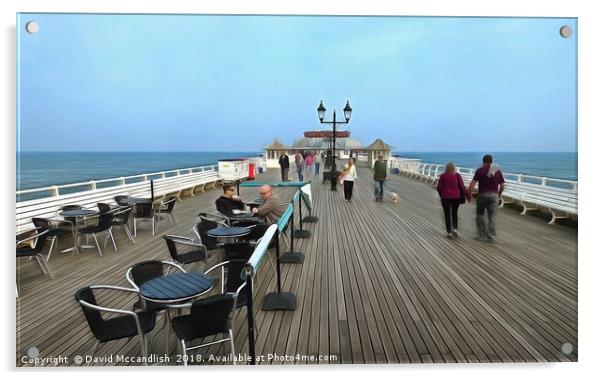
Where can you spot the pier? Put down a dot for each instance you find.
(380, 284)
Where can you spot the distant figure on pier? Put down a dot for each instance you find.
(380, 175)
(284, 163)
(348, 176)
(229, 201)
(271, 208)
(452, 192)
(299, 162)
(309, 163)
(317, 162)
(491, 185)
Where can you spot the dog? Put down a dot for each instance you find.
(394, 197)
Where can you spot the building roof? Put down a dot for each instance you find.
(277, 145)
(322, 143)
(378, 144)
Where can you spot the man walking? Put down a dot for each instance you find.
(380, 174)
(491, 185)
(284, 165)
(317, 162)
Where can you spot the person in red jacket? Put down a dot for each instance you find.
(452, 191)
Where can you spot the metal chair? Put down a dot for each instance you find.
(144, 211)
(166, 206)
(39, 239)
(144, 271)
(128, 325)
(208, 316)
(184, 250)
(53, 232)
(102, 227)
(208, 222)
(121, 216)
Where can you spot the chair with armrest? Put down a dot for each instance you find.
(25, 249)
(55, 229)
(102, 227)
(165, 207)
(184, 250)
(121, 215)
(129, 324)
(208, 317)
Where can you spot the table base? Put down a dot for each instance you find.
(279, 301)
(292, 257)
(302, 234)
(310, 219)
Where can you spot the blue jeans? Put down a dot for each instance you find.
(379, 189)
(300, 175)
(317, 164)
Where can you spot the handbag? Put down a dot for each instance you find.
(462, 195)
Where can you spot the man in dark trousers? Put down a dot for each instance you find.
(380, 174)
(491, 185)
(284, 165)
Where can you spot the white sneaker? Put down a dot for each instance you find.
(455, 233)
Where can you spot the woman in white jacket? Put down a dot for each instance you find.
(348, 176)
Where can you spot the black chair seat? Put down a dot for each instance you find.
(192, 257)
(125, 326)
(26, 252)
(204, 319)
(93, 229)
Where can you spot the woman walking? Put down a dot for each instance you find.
(309, 163)
(452, 192)
(348, 176)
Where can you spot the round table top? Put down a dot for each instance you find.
(176, 287)
(77, 213)
(228, 232)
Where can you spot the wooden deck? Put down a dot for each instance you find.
(380, 284)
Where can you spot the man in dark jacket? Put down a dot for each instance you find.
(380, 174)
(229, 201)
(284, 165)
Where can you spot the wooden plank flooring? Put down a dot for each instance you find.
(380, 284)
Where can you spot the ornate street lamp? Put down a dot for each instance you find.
(333, 165)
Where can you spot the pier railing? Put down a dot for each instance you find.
(411, 165)
(558, 196)
(57, 190)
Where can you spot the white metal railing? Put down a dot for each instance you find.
(57, 190)
(414, 166)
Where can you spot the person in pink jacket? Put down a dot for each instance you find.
(452, 192)
(309, 163)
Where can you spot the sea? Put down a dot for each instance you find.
(42, 169)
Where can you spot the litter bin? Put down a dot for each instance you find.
(251, 170)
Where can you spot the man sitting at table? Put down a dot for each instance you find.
(228, 202)
(271, 208)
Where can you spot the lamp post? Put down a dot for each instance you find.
(334, 122)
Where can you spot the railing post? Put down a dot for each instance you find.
(122, 180)
(93, 185)
(55, 191)
(519, 178)
(544, 181)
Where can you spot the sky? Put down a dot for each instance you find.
(91, 82)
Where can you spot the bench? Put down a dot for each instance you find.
(187, 183)
(561, 203)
